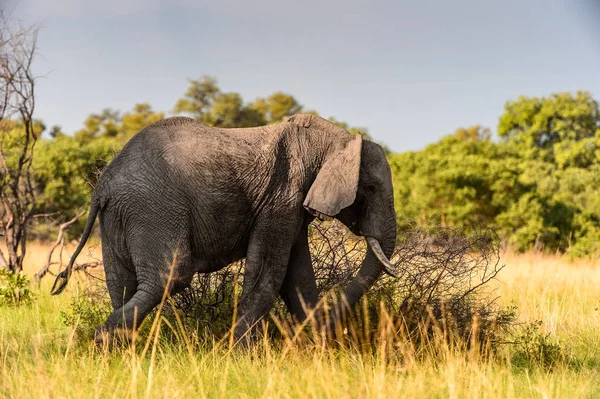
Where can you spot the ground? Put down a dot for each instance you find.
(39, 355)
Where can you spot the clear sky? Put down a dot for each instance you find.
(411, 71)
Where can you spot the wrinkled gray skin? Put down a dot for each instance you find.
(196, 197)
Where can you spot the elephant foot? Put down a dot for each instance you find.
(105, 338)
(247, 336)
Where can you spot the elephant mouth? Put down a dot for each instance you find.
(354, 229)
(375, 247)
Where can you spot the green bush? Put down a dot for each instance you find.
(86, 313)
(536, 348)
(14, 289)
(538, 185)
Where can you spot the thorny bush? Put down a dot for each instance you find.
(443, 287)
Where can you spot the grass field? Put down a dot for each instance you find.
(40, 357)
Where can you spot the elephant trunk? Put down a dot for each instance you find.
(376, 261)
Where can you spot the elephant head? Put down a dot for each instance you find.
(354, 185)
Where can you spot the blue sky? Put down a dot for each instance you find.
(410, 71)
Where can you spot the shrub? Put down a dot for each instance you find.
(208, 305)
(443, 285)
(87, 311)
(536, 348)
(14, 289)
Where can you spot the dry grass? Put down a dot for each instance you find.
(39, 357)
(564, 295)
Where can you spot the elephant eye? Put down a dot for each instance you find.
(371, 189)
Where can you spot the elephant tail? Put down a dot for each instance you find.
(63, 277)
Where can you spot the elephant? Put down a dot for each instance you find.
(183, 197)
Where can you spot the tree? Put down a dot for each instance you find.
(67, 167)
(557, 142)
(545, 128)
(205, 101)
(56, 131)
(18, 136)
(277, 107)
(111, 124)
(451, 182)
(538, 186)
(473, 133)
(199, 97)
(66, 170)
(103, 124)
(363, 131)
(228, 110)
(132, 122)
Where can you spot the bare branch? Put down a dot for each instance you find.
(60, 240)
(18, 138)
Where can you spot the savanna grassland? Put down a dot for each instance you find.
(534, 178)
(558, 311)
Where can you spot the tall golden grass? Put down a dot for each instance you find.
(41, 358)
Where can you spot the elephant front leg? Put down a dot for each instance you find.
(266, 263)
(299, 289)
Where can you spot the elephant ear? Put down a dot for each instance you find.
(336, 184)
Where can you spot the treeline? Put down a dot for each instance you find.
(537, 181)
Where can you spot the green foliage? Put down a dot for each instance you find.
(12, 141)
(199, 97)
(132, 122)
(546, 128)
(67, 167)
(205, 101)
(534, 348)
(452, 183)
(539, 186)
(111, 124)
(280, 106)
(103, 124)
(14, 289)
(228, 110)
(85, 314)
(66, 171)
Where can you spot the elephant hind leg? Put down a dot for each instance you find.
(149, 292)
(121, 281)
(130, 316)
(161, 267)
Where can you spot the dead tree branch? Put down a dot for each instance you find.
(18, 137)
(60, 240)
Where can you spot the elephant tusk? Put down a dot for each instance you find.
(387, 265)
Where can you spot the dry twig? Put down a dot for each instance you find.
(60, 240)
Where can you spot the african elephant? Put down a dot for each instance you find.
(184, 197)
